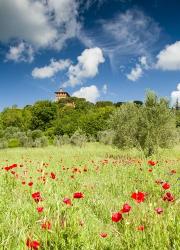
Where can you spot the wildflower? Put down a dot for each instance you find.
(37, 197)
(53, 176)
(151, 163)
(30, 184)
(116, 217)
(67, 201)
(168, 197)
(173, 171)
(138, 196)
(140, 228)
(40, 209)
(150, 170)
(159, 210)
(32, 244)
(23, 182)
(78, 195)
(126, 208)
(166, 185)
(103, 235)
(46, 225)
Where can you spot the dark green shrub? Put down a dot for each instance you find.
(13, 143)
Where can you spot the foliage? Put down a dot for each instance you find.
(13, 143)
(147, 127)
(61, 140)
(78, 138)
(106, 136)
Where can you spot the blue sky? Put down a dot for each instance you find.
(99, 49)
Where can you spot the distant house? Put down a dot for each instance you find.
(62, 95)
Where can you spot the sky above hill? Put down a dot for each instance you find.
(98, 49)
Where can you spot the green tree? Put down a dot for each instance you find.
(43, 114)
(147, 127)
(12, 117)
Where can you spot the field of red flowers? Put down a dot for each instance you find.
(91, 198)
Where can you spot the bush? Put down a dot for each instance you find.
(11, 132)
(13, 143)
(78, 138)
(40, 142)
(60, 140)
(3, 144)
(106, 137)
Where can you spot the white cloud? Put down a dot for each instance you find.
(169, 58)
(90, 93)
(51, 69)
(131, 33)
(39, 23)
(20, 53)
(104, 89)
(137, 71)
(175, 95)
(143, 62)
(87, 66)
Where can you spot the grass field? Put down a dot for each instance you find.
(106, 177)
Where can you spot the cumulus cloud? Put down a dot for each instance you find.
(175, 95)
(137, 71)
(87, 66)
(39, 23)
(169, 57)
(20, 53)
(90, 93)
(50, 70)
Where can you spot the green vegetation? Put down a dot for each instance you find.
(107, 177)
(147, 126)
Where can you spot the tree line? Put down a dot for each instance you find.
(134, 124)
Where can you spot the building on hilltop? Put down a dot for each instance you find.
(62, 95)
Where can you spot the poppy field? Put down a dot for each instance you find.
(96, 197)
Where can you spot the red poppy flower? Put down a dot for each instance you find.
(159, 210)
(126, 208)
(10, 167)
(40, 209)
(46, 225)
(67, 201)
(173, 171)
(103, 235)
(53, 176)
(30, 184)
(168, 197)
(166, 185)
(140, 228)
(151, 163)
(116, 217)
(37, 197)
(78, 195)
(23, 182)
(150, 170)
(32, 244)
(139, 196)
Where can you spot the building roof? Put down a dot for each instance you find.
(62, 92)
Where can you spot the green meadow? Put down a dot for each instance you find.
(107, 177)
